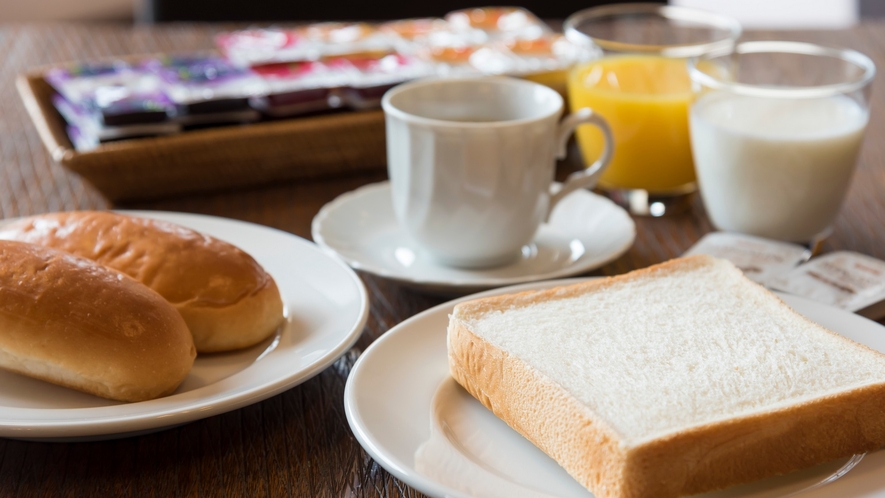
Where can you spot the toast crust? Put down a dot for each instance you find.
(546, 414)
(695, 460)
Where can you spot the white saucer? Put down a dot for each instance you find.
(426, 430)
(326, 308)
(585, 232)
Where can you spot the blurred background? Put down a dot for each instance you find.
(775, 14)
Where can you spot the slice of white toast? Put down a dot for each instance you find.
(678, 379)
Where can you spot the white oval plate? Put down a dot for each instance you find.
(585, 231)
(326, 309)
(400, 399)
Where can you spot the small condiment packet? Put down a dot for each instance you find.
(760, 259)
(264, 46)
(374, 75)
(843, 279)
(312, 42)
(86, 130)
(114, 93)
(524, 56)
(195, 78)
(498, 21)
(410, 34)
(298, 87)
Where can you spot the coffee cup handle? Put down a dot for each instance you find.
(589, 176)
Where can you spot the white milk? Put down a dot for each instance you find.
(777, 168)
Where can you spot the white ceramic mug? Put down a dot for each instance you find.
(471, 164)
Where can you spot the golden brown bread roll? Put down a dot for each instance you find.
(73, 322)
(226, 298)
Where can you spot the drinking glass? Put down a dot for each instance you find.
(776, 128)
(641, 87)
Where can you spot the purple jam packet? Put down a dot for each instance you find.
(88, 127)
(195, 78)
(116, 92)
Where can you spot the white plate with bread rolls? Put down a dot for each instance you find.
(585, 231)
(119, 324)
(413, 418)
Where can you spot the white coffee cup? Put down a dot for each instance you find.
(471, 164)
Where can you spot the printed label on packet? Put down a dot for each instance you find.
(760, 259)
(844, 279)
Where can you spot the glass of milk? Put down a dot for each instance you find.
(776, 128)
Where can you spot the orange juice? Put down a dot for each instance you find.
(645, 100)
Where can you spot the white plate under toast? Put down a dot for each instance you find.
(326, 309)
(415, 421)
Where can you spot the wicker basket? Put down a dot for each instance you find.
(215, 158)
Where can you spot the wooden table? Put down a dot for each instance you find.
(297, 443)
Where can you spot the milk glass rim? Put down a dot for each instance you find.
(390, 109)
(668, 12)
(785, 91)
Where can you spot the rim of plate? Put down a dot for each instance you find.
(393, 465)
(432, 487)
(574, 269)
(185, 411)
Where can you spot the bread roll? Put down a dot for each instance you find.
(73, 322)
(227, 300)
(678, 379)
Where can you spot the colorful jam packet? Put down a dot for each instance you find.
(371, 71)
(288, 76)
(86, 130)
(117, 92)
(299, 87)
(307, 43)
(373, 76)
(410, 35)
(450, 60)
(261, 46)
(525, 56)
(193, 78)
(499, 22)
(415, 30)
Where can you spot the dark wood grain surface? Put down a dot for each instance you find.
(297, 443)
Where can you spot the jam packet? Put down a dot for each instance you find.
(760, 259)
(206, 83)
(450, 60)
(307, 43)
(89, 129)
(409, 35)
(523, 56)
(498, 22)
(114, 93)
(208, 89)
(374, 75)
(262, 46)
(295, 88)
(843, 279)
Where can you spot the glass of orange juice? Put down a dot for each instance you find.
(641, 87)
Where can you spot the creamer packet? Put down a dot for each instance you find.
(843, 279)
(760, 259)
